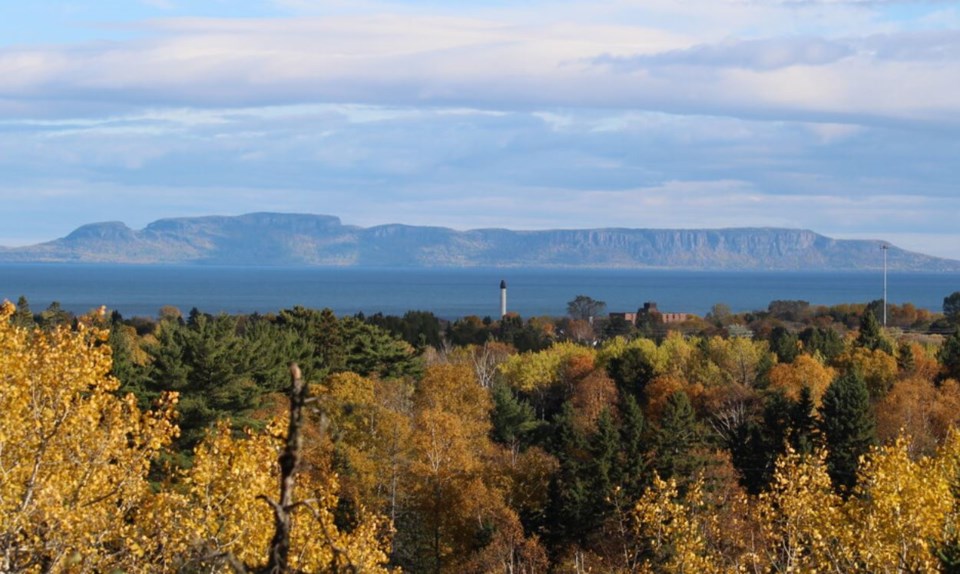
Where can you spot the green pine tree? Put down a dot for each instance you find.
(604, 449)
(632, 371)
(803, 423)
(677, 438)
(949, 356)
(848, 428)
(23, 316)
(568, 517)
(513, 419)
(633, 468)
(871, 334)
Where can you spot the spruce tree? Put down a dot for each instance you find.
(803, 423)
(513, 419)
(949, 356)
(23, 317)
(568, 512)
(632, 472)
(604, 448)
(871, 334)
(847, 427)
(632, 371)
(678, 435)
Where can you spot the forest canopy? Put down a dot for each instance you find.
(795, 439)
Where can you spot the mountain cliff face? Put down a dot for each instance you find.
(298, 239)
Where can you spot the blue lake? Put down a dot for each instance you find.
(449, 293)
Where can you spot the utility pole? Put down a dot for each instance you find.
(884, 247)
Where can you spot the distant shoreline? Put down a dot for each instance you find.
(449, 293)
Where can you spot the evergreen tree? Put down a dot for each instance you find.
(604, 449)
(784, 344)
(906, 362)
(803, 423)
(676, 439)
(847, 427)
(372, 351)
(632, 371)
(322, 332)
(513, 419)
(23, 316)
(951, 308)
(632, 472)
(949, 356)
(124, 366)
(750, 455)
(54, 316)
(569, 506)
(823, 340)
(871, 334)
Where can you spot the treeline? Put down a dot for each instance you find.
(794, 439)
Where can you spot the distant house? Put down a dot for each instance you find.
(650, 309)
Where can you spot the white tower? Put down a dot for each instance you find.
(503, 298)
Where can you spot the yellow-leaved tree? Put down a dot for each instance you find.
(220, 518)
(74, 456)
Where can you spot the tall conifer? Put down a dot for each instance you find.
(848, 428)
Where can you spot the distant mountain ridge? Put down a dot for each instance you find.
(287, 239)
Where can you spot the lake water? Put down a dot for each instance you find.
(449, 293)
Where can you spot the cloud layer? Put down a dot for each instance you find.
(837, 116)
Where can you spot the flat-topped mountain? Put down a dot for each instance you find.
(301, 239)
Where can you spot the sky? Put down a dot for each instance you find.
(839, 116)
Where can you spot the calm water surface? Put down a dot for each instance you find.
(142, 290)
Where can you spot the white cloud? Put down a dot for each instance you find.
(835, 116)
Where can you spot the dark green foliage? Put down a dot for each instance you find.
(679, 434)
(568, 516)
(321, 330)
(133, 377)
(949, 553)
(54, 316)
(514, 421)
(871, 334)
(847, 427)
(949, 356)
(419, 328)
(601, 470)
(633, 471)
(826, 341)
(222, 366)
(617, 326)
(348, 344)
(23, 316)
(632, 371)
(784, 344)
(649, 325)
(470, 330)
(951, 307)
(789, 310)
(523, 336)
(804, 434)
(906, 362)
(372, 351)
(750, 455)
(755, 445)
(585, 308)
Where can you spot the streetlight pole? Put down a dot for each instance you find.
(884, 247)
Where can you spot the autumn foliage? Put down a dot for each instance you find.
(157, 447)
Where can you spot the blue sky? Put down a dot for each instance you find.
(840, 116)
